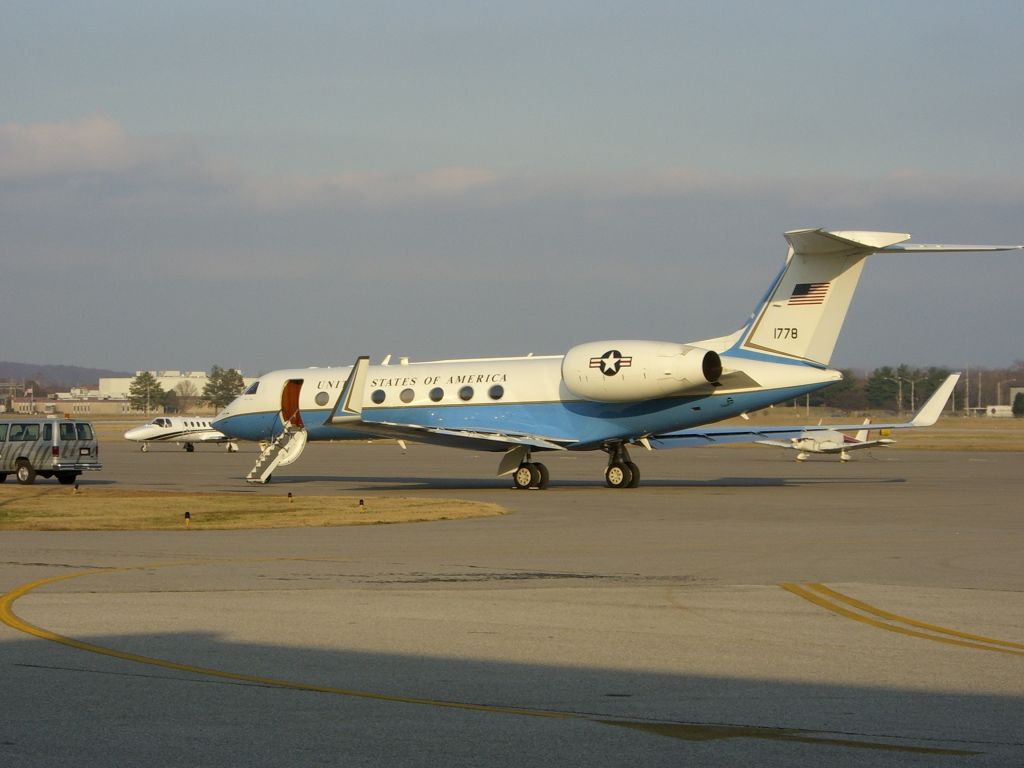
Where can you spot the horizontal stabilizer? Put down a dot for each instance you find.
(821, 242)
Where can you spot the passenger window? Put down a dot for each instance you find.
(407, 395)
(48, 432)
(67, 431)
(378, 396)
(436, 394)
(25, 433)
(466, 393)
(496, 392)
(3, 432)
(84, 431)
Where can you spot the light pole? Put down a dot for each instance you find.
(899, 395)
(999, 389)
(912, 383)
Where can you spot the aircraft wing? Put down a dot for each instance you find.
(684, 438)
(457, 438)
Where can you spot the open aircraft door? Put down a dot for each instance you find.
(290, 412)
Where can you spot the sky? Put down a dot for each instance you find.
(268, 185)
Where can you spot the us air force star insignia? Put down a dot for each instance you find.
(610, 362)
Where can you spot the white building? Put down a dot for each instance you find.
(168, 381)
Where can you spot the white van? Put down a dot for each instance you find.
(48, 448)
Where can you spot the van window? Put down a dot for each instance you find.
(3, 432)
(48, 432)
(25, 433)
(84, 431)
(67, 431)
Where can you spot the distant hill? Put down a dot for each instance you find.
(58, 376)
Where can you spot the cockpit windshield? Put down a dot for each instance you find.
(253, 387)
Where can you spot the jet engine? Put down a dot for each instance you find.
(621, 371)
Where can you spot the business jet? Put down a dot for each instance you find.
(601, 395)
(182, 430)
(832, 440)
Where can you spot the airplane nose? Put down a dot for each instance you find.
(132, 434)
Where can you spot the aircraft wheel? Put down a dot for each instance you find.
(525, 476)
(189, 447)
(618, 475)
(634, 470)
(24, 472)
(232, 447)
(144, 448)
(542, 476)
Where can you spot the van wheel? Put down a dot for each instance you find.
(24, 472)
(66, 478)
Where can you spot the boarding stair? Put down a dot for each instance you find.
(284, 449)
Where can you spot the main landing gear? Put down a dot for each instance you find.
(621, 472)
(531, 474)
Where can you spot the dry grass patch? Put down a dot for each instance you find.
(59, 508)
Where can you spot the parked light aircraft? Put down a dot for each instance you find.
(187, 430)
(831, 439)
(601, 395)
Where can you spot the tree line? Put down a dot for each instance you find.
(906, 388)
(222, 386)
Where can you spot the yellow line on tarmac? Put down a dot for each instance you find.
(936, 634)
(911, 622)
(7, 616)
(685, 731)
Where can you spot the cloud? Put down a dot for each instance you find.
(91, 145)
(96, 157)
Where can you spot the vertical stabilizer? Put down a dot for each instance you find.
(804, 312)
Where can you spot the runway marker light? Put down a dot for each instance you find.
(362, 506)
(188, 518)
(290, 499)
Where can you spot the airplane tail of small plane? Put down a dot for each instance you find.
(801, 315)
(862, 434)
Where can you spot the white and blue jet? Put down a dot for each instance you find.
(601, 395)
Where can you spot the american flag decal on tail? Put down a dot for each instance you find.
(809, 293)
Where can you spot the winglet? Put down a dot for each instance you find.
(350, 402)
(930, 411)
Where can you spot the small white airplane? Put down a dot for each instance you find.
(834, 438)
(602, 395)
(187, 430)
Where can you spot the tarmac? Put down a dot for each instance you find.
(736, 609)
